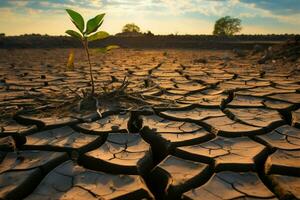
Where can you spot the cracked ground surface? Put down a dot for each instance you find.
(224, 129)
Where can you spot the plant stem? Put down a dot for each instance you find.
(86, 47)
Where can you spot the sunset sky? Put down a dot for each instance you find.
(159, 16)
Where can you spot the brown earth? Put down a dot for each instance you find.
(191, 124)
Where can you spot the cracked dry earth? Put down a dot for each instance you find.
(225, 129)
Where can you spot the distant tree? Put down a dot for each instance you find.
(131, 28)
(227, 26)
(149, 33)
(2, 34)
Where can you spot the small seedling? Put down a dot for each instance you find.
(86, 34)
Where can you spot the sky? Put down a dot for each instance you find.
(159, 16)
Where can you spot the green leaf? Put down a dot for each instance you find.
(77, 19)
(98, 36)
(94, 23)
(74, 34)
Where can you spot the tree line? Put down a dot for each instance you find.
(225, 26)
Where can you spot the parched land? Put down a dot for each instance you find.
(190, 124)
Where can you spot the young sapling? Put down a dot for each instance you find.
(86, 34)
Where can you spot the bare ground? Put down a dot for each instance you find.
(190, 125)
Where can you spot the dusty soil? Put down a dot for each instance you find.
(190, 125)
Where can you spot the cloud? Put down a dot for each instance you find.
(160, 16)
(173, 7)
(48, 5)
(281, 7)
